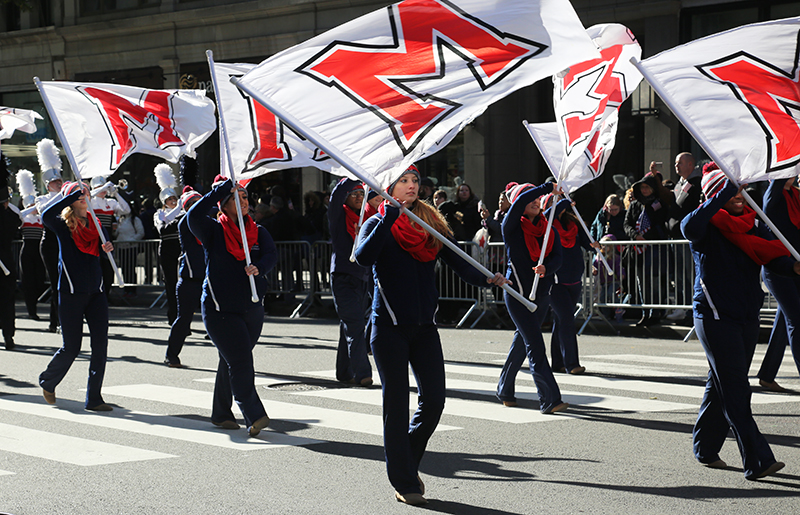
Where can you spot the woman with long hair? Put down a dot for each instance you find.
(80, 290)
(232, 319)
(729, 249)
(402, 256)
(523, 233)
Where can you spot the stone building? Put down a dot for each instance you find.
(162, 44)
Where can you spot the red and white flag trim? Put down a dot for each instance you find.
(104, 124)
(396, 85)
(738, 93)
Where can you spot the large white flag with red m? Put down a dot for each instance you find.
(738, 93)
(103, 124)
(396, 85)
(587, 97)
(259, 141)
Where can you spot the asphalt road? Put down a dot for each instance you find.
(624, 446)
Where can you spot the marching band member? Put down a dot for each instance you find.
(403, 256)
(31, 264)
(232, 319)
(107, 210)
(50, 166)
(9, 223)
(729, 248)
(80, 287)
(523, 233)
(166, 222)
(190, 283)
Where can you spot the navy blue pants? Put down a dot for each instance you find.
(189, 292)
(729, 347)
(564, 343)
(404, 442)
(73, 308)
(528, 341)
(235, 335)
(352, 303)
(786, 328)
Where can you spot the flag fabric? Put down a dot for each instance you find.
(12, 119)
(396, 85)
(103, 124)
(586, 99)
(259, 141)
(737, 93)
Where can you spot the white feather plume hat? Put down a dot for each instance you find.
(49, 160)
(27, 188)
(166, 181)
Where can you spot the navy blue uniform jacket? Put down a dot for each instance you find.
(226, 286)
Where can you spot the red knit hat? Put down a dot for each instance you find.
(713, 179)
(517, 190)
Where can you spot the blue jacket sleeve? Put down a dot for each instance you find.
(201, 225)
(50, 217)
(695, 224)
(374, 235)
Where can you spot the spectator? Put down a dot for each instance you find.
(493, 224)
(646, 220)
(467, 205)
(439, 197)
(315, 217)
(426, 189)
(129, 229)
(610, 219)
(610, 288)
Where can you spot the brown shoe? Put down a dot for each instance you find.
(258, 425)
(577, 371)
(226, 424)
(510, 404)
(555, 409)
(772, 386)
(769, 471)
(367, 381)
(50, 397)
(719, 464)
(101, 407)
(411, 499)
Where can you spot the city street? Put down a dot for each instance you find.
(624, 446)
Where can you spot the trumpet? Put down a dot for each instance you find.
(122, 184)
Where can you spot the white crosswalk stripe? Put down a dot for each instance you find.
(471, 396)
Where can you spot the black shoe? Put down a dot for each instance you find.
(34, 316)
(10, 343)
(53, 329)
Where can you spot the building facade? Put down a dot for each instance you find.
(162, 44)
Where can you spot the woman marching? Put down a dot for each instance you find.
(232, 319)
(523, 233)
(403, 256)
(80, 290)
(567, 289)
(729, 248)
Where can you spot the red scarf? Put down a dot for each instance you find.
(86, 238)
(413, 240)
(351, 221)
(734, 228)
(792, 196)
(533, 231)
(233, 236)
(568, 236)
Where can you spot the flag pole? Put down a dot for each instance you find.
(223, 130)
(705, 143)
(360, 223)
(359, 172)
(74, 166)
(547, 159)
(6, 271)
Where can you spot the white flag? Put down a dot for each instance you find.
(393, 86)
(587, 97)
(12, 119)
(737, 93)
(259, 141)
(103, 124)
